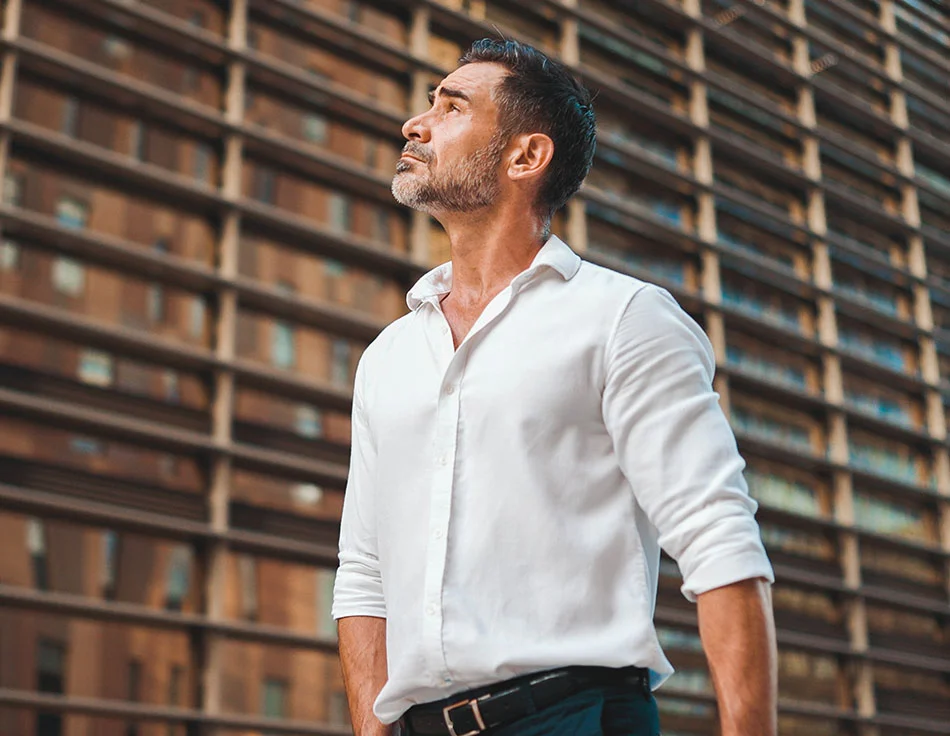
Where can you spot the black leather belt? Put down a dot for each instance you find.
(475, 711)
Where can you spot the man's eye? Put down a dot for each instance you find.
(454, 108)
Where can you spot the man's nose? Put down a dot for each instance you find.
(415, 129)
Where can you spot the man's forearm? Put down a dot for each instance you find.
(363, 656)
(738, 634)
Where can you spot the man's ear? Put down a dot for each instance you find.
(530, 156)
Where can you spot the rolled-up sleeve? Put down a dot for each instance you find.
(358, 590)
(675, 445)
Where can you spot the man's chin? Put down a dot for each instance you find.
(408, 193)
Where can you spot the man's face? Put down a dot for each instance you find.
(451, 161)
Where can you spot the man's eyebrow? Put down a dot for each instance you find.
(448, 92)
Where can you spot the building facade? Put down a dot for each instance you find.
(198, 240)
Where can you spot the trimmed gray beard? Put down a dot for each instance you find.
(467, 186)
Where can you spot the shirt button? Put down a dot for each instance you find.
(444, 460)
(438, 534)
(430, 609)
(447, 680)
(450, 390)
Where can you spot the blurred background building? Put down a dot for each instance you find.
(198, 240)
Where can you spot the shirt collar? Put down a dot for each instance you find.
(555, 253)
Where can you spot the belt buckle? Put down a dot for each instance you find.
(461, 704)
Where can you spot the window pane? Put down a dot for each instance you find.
(323, 206)
(138, 60)
(96, 644)
(782, 492)
(120, 212)
(299, 684)
(121, 299)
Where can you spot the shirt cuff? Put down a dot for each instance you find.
(358, 589)
(717, 572)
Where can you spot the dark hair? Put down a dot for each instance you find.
(540, 95)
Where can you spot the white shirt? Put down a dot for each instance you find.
(507, 501)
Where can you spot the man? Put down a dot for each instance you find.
(525, 441)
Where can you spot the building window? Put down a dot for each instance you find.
(155, 296)
(109, 567)
(175, 678)
(247, 571)
(382, 231)
(877, 403)
(167, 465)
(274, 698)
(264, 184)
(50, 678)
(315, 128)
(782, 493)
(69, 276)
(196, 326)
(170, 386)
(306, 494)
(196, 19)
(116, 48)
(71, 213)
(13, 188)
(189, 80)
(340, 368)
(283, 350)
(177, 577)
(134, 681)
(174, 684)
(135, 691)
(137, 140)
(9, 256)
(669, 211)
(326, 579)
(334, 271)
(770, 429)
(96, 368)
(798, 543)
(876, 349)
(83, 445)
(340, 211)
(36, 546)
(888, 460)
(308, 422)
(677, 639)
(885, 517)
(155, 303)
(760, 367)
(766, 306)
(202, 162)
(70, 122)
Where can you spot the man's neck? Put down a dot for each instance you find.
(488, 252)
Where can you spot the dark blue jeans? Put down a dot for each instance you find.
(602, 711)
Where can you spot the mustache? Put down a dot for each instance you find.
(417, 150)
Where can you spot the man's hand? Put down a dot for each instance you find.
(738, 634)
(363, 656)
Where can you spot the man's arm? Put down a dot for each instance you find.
(358, 600)
(363, 655)
(738, 634)
(676, 448)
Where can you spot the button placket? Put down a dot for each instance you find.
(439, 515)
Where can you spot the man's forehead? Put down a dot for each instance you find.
(475, 79)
